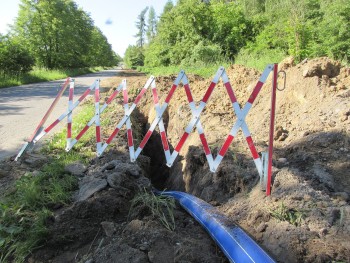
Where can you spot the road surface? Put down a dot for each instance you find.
(23, 107)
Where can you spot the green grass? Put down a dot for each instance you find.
(283, 213)
(259, 60)
(205, 71)
(25, 211)
(161, 207)
(41, 75)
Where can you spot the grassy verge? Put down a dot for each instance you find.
(41, 75)
(25, 211)
(259, 60)
(201, 70)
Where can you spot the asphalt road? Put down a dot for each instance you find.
(23, 107)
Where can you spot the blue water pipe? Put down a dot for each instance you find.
(234, 242)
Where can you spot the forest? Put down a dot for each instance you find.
(53, 35)
(250, 32)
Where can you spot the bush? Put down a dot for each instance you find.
(204, 53)
(14, 58)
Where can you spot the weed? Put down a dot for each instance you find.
(162, 207)
(283, 213)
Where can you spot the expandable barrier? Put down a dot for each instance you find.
(264, 170)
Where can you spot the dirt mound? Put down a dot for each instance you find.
(102, 229)
(311, 187)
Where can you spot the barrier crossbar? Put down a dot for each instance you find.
(194, 122)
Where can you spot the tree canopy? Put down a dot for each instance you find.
(203, 31)
(54, 35)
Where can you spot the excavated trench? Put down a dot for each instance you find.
(190, 172)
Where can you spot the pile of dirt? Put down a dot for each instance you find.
(100, 227)
(310, 193)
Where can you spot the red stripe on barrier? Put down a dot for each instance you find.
(84, 95)
(139, 96)
(71, 93)
(130, 141)
(227, 143)
(97, 95)
(164, 141)
(252, 147)
(82, 132)
(171, 93)
(47, 114)
(98, 134)
(205, 144)
(181, 142)
(52, 125)
(230, 92)
(155, 96)
(114, 94)
(125, 96)
(69, 130)
(188, 93)
(114, 133)
(209, 91)
(255, 92)
(145, 139)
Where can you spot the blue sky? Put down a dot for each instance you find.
(115, 18)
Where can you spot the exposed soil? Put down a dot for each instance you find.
(311, 183)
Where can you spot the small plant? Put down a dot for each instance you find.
(283, 213)
(161, 207)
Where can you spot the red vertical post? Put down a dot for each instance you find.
(272, 128)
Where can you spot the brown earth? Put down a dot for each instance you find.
(311, 183)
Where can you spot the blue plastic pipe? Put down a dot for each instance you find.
(234, 242)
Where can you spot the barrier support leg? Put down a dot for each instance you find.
(272, 128)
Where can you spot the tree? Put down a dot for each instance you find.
(168, 6)
(133, 57)
(59, 34)
(152, 24)
(14, 57)
(141, 27)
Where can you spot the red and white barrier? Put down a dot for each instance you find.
(158, 120)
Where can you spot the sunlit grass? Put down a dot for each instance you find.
(259, 60)
(41, 75)
(204, 70)
(25, 211)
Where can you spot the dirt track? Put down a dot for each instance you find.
(22, 107)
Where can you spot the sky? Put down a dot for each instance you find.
(115, 18)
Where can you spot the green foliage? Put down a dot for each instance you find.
(290, 215)
(259, 59)
(141, 28)
(201, 69)
(152, 24)
(61, 35)
(24, 213)
(134, 57)
(254, 32)
(14, 57)
(40, 75)
(161, 207)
